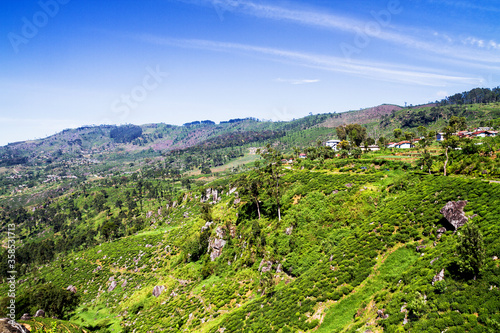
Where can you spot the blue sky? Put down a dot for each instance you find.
(67, 63)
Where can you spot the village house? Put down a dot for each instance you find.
(440, 137)
(371, 148)
(404, 145)
(333, 144)
(303, 155)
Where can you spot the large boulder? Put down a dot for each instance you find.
(9, 326)
(72, 289)
(439, 277)
(157, 290)
(40, 313)
(216, 244)
(25, 316)
(454, 213)
(112, 286)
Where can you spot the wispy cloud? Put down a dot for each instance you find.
(467, 5)
(296, 81)
(392, 34)
(375, 70)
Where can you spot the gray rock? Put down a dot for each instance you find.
(265, 266)
(25, 316)
(72, 289)
(454, 213)
(40, 313)
(289, 230)
(439, 277)
(157, 290)
(216, 244)
(420, 247)
(8, 326)
(112, 286)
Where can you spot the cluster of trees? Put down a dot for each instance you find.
(477, 95)
(126, 133)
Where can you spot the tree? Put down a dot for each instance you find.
(355, 132)
(357, 153)
(470, 249)
(344, 145)
(422, 131)
(450, 142)
(457, 124)
(382, 142)
(272, 172)
(250, 185)
(409, 136)
(398, 133)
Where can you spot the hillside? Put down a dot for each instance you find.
(349, 245)
(223, 228)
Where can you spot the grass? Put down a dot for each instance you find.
(341, 315)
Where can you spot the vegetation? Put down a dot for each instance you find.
(239, 239)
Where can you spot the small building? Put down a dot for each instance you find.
(391, 145)
(440, 137)
(491, 133)
(404, 145)
(303, 155)
(371, 148)
(333, 144)
(479, 134)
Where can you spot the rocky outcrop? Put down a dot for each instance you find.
(72, 289)
(454, 213)
(265, 266)
(112, 286)
(157, 290)
(216, 244)
(381, 314)
(440, 232)
(25, 316)
(439, 277)
(40, 313)
(8, 326)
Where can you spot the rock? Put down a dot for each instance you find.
(149, 245)
(349, 185)
(25, 316)
(8, 326)
(454, 213)
(97, 269)
(206, 226)
(112, 278)
(403, 309)
(157, 290)
(186, 215)
(289, 230)
(381, 314)
(72, 289)
(112, 286)
(495, 258)
(124, 284)
(434, 260)
(265, 266)
(441, 230)
(335, 192)
(40, 313)
(439, 277)
(216, 244)
(420, 247)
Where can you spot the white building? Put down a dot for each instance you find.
(333, 144)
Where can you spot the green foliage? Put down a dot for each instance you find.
(470, 249)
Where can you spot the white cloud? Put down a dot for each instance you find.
(389, 33)
(296, 81)
(376, 70)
